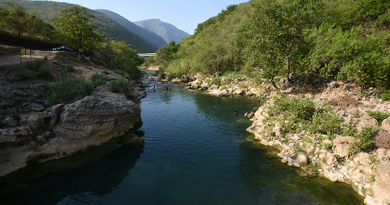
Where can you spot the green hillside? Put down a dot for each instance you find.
(111, 29)
(341, 39)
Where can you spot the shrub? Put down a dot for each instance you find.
(366, 142)
(303, 109)
(216, 80)
(53, 100)
(349, 130)
(326, 123)
(385, 95)
(121, 82)
(45, 57)
(105, 71)
(14, 114)
(98, 79)
(2, 123)
(68, 87)
(34, 65)
(134, 73)
(70, 67)
(120, 72)
(380, 116)
(114, 86)
(44, 72)
(26, 76)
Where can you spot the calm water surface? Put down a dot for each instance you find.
(196, 153)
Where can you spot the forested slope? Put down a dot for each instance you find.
(111, 29)
(343, 39)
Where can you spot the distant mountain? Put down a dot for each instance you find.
(151, 37)
(111, 29)
(167, 31)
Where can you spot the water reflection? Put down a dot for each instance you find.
(95, 178)
(276, 183)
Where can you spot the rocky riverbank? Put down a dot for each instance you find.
(36, 139)
(341, 107)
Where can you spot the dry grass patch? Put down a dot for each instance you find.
(345, 102)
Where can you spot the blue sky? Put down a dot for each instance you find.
(185, 15)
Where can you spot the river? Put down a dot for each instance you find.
(196, 152)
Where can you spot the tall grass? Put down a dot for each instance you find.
(68, 88)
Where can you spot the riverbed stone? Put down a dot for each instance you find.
(224, 93)
(302, 159)
(336, 176)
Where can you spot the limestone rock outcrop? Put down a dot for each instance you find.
(382, 183)
(86, 123)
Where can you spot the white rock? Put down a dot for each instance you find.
(369, 200)
(302, 159)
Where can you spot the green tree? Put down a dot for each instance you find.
(165, 54)
(350, 55)
(73, 27)
(272, 35)
(17, 18)
(118, 55)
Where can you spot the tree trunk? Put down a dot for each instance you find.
(288, 70)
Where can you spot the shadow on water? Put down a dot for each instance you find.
(97, 177)
(276, 183)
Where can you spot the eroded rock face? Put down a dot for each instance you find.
(86, 123)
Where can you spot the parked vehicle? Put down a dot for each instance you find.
(63, 48)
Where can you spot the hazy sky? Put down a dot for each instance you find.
(184, 14)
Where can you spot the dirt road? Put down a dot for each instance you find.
(35, 54)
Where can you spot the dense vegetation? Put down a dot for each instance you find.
(46, 10)
(342, 39)
(74, 28)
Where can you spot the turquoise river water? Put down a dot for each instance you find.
(196, 152)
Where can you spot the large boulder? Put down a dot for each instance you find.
(366, 120)
(386, 124)
(302, 159)
(103, 116)
(224, 93)
(342, 144)
(89, 122)
(382, 183)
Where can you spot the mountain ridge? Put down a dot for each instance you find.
(167, 31)
(149, 36)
